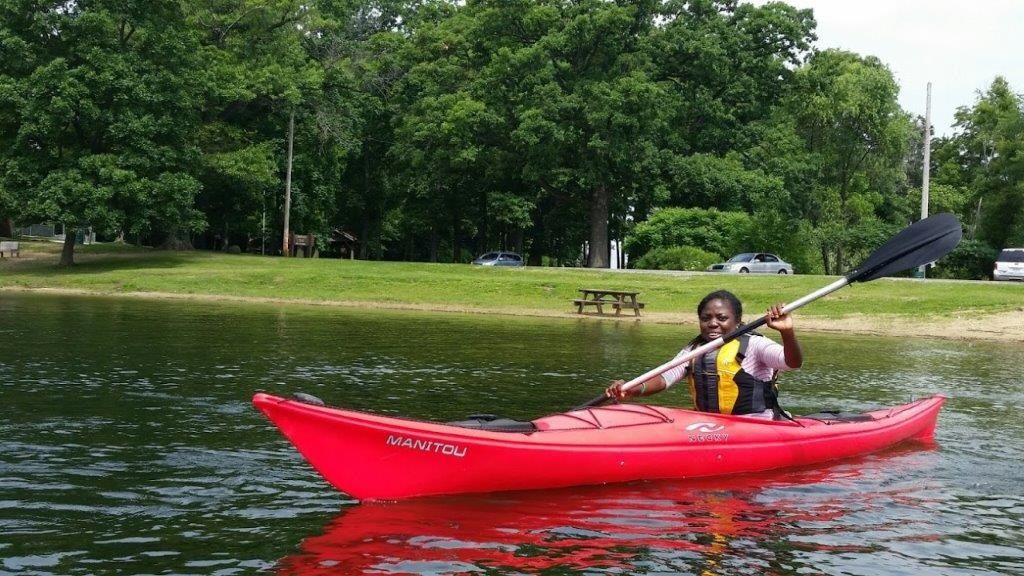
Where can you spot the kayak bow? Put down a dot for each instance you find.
(373, 457)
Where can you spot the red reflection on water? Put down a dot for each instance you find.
(689, 524)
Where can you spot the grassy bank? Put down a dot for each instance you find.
(114, 269)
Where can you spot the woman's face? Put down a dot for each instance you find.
(717, 318)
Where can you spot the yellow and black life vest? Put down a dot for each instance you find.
(718, 382)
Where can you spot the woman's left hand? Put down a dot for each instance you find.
(777, 320)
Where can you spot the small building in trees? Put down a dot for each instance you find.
(343, 243)
(56, 232)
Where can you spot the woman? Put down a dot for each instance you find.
(739, 376)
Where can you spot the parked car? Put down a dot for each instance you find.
(1009, 265)
(499, 259)
(753, 262)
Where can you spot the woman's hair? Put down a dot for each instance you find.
(725, 295)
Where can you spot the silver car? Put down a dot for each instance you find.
(1009, 265)
(499, 259)
(754, 262)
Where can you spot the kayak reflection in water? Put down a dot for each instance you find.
(738, 377)
(667, 527)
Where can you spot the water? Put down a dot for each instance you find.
(128, 446)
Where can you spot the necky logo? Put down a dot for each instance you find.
(704, 427)
(706, 432)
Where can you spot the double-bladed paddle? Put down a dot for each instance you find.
(920, 243)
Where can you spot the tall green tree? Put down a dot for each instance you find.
(100, 114)
(846, 111)
(257, 74)
(593, 130)
(520, 110)
(364, 65)
(726, 67)
(986, 158)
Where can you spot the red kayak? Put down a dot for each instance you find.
(373, 457)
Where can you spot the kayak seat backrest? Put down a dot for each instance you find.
(838, 416)
(494, 424)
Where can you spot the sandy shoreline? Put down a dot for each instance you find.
(1005, 327)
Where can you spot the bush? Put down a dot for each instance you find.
(723, 233)
(677, 258)
(234, 249)
(970, 260)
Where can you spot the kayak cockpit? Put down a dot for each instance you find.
(493, 423)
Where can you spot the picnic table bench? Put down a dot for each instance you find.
(600, 297)
(9, 248)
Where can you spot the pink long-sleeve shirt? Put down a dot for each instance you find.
(764, 357)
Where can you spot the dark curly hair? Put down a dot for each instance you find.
(726, 296)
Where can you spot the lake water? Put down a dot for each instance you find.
(128, 445)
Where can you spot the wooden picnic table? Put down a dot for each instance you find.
(601, 297)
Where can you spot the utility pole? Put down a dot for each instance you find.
(927, 162)
(288, 185)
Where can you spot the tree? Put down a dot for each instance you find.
(595, 125)
(856, 135)
(727, 65)
(711, 230)
(363, 58)
(985, 162)
(726, 68)
(101, 114)
(258, 73)
(526, 107)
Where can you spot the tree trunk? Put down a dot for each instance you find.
(481, 228)
(67, 254)
(456, 240)
(285, 248)
(6, 227)
(364, 233)
(174, 241)
(599, 201)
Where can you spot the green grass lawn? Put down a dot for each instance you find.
(110, 268)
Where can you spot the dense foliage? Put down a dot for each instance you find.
(436, 130)
(712, 230)
(677, 258)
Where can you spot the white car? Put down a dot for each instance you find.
(753, 262)
(1009, 265)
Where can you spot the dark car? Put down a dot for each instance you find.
(499, 259)
(753, 262)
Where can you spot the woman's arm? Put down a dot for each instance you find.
(784, 324)
(652, 385)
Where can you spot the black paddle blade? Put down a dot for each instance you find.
(922, 242)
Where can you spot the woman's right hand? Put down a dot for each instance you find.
(616, 391)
